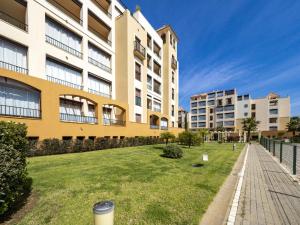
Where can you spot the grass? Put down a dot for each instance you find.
(146, 188)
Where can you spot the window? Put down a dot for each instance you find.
(138, 118)
(173, 77)
(163, 37)
(149, 104)
(99, 58)
(220, 102)
(149, 62)
(211, 118)
(13, 56)
(70, 107)
(240, 98)
(273, 128)
(157, 87)
(245, 114)
(229, 108)
(62, 38)
(138, 100)
(273, 120)
(211, 102)
(211, 125)
(253, 106)
(149, 83)
(99, 86)
(229, 92)
(211, 110)
(253, 114)
(149, 41)
(246, 106)
(63, 74)
(194, 111)
(220, 94)
(156, 49)
(202, 124)
(173, 94)
(173, 124)
(211, 95)
(194, 104)
(172, 113)
(273, 111)
(202, 103)
(194, 118)
(201, 111)
(229, 115)
(202, 117)
(228, 101)
(219, 116)
(194, 125)
(157, 106)
(137, 71)
(246, 97)
(228, 123)
(156, 68)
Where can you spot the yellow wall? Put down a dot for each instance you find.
(50, 126)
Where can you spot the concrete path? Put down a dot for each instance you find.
(269, 195)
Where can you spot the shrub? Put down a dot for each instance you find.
(172, 151)
(78, 146)
(88, 145)
(50, 146)
(167, 136)
(13, 174)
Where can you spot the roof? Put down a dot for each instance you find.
(171, 29)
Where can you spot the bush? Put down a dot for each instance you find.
(13, 174)
(172, 151)
(167, 136)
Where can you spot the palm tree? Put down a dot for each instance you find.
(294, 125)
(249, 125)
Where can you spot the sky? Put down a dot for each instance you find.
(250, 45)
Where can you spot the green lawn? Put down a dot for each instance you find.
(147, 188)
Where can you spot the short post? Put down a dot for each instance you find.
(104, 213)
(280, 156)
(273, 148)
(234, 147)
(294, 159)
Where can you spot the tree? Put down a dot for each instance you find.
(188, 138)
(202, 134)
(166, 136)
(294, 125)
(249, 125)
(186, 127)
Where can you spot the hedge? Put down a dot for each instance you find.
(55, 146)
(14, 183)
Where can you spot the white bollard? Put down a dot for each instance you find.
(104, 213)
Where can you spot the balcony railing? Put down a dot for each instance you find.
(102, 9)
(19, 111)
(12, 67)
(100, 35)
(78, 118)
(63, 82)
(140, 49)
(99, 93)
(156, 109)
(154, 126)
(164, 128)
(63, 46)
(100, 65)
(11, 20)
(113, 122)
(174, 63)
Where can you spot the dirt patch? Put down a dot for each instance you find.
(24, 207)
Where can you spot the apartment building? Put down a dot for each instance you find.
(213, 110)
(183, 118)
(147, 70)
(272, 111)
(225, 111)
(58, 70)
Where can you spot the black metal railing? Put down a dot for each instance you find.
(10, 19)
(102, 9)
(99, 35)
(63, 82)
(287, 153)
(139, 48)
(154, 126)
(66, 11)
(113, 122)
(12, 67)
(100, 65)
(78, 118)
(7, 110)
(164, 128)
(99, 93)
(63, 46)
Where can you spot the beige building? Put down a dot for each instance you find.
(79, 69)
(272, 112)
(183, 118)
(225, 110)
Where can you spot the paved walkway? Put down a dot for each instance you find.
(268, 195)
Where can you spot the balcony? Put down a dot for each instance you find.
(62, 46)
(14, 111)
(113, 122)
(98, 27)
(70, 8)
(174, 63)
(139, 50)
(156, 68)
(103, 5)
(157, 50)
(14, 13)
(63, 82)
(99, 93)
(78, 118)
(12, 67)
(100, 65)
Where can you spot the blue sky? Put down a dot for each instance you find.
(249, 44)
